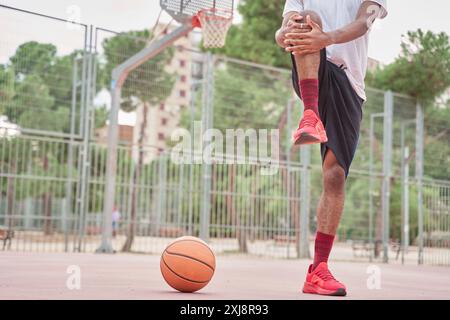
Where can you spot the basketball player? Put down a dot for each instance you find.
(328, 43)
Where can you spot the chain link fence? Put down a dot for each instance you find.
(54, 101)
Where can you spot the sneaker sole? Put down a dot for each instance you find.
(306, 138)
(313, 289)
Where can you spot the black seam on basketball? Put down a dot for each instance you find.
(189, 257)
(205, 245)
(179, 275)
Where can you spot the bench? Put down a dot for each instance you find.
(362, 248)
(171, 232)
(282, 239)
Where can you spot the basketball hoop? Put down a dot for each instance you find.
(213, 16)
(215, 24)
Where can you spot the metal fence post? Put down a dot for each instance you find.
(68, 207)
(405, 201)
(161, 214)
(419, 176)
(405, 187)
(387, 169)
(207, 123)
(194, 88)
(305, 156)
(85, 156)
(80, 164)
(371, 178)
(288, 173)
(111, 171)
(372, 173)
(180, 197)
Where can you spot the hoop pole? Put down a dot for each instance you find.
(119, 75)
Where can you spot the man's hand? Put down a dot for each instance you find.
(309, 42)
(291, 26)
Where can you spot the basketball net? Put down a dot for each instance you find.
(215, 24)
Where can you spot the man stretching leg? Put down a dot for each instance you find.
(328, 43)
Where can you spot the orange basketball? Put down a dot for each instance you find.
(188, 264)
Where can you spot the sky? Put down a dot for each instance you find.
(122, 15)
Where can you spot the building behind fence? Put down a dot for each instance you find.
(54, 95)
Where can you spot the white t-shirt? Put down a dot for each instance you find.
(335, 14)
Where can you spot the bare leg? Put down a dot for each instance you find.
(332, 199)
(311, 129)
(308, 65)
(331, 202)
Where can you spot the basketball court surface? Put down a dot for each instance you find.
(134, 276)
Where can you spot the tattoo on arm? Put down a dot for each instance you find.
(367, 14)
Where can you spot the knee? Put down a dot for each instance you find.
(314, 16)
(334, 178)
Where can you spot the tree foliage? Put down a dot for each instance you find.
(33, 57)
(36, 93)
(422, 70)
(150, 82)
(254, 39)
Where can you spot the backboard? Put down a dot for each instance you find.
(184, 11)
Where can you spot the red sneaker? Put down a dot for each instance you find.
(310, 130)
(321, 281)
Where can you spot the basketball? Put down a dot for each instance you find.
(188, 264)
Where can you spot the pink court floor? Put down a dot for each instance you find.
(135, 276)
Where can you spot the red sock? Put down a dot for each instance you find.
(309, 89)
(322, 248)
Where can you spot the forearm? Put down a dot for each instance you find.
(317, 39)
(280, 34)
(279, 38)
(348, 33)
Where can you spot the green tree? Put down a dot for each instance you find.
(22, 157)
(6, 87)
(254, 39)
(31, 108)
(58, 78)
(437, 142)
(33, 57)
(100, 116)
(426, 55)
(422, 70)
(10, 163)
(146, 86)
(36, 93)
(37, 86)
